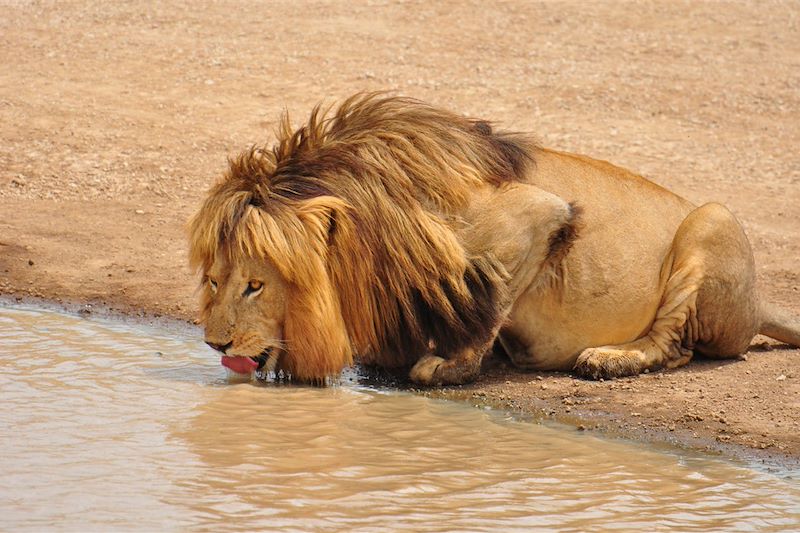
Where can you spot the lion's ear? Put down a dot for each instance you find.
(321, 217)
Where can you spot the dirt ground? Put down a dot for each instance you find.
(115, 118)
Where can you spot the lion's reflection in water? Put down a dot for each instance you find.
(340, 457)
(119, 427)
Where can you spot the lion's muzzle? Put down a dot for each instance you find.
(220, 347)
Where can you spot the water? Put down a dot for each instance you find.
(112, 426)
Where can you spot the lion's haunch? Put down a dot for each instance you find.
(240, 365)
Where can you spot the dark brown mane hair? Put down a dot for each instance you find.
(353, 209)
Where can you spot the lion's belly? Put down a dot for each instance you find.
(607, 292)
(550, 335)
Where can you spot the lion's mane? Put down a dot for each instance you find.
(356, 210)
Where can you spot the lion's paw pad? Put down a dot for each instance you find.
(423, 372)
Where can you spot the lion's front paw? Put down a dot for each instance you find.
(596, 363)
(424, 371)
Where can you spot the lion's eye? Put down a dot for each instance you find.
(253, 286)
(212, 284)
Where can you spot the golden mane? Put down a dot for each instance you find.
(352, 209)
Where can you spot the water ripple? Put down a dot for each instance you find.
(111, 426)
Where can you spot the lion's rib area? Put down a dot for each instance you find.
(355, 209)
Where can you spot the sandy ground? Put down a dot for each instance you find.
(115, 118)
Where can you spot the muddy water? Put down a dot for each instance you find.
(110, 426)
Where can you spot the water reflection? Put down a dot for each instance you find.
(111, 426)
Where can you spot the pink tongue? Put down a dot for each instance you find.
(240, 365)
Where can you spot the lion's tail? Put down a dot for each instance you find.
(780, 325)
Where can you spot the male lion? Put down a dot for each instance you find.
(410, 237)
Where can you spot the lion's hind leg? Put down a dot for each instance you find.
(728, 308)
(709, 303)
(667, 344)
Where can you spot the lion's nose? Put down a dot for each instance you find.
(220, 347)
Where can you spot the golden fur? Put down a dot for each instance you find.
(352, 209)
(408, 236)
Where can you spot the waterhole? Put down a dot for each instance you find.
(108, 426)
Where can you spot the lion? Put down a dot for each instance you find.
(407, 237)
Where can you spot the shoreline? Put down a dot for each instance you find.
(490, 391)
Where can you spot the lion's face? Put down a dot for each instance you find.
(244, 308)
